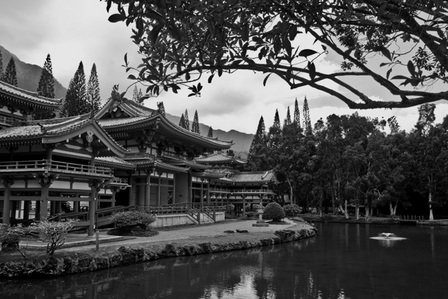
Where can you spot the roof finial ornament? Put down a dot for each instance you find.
(42, 128)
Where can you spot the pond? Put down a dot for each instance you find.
(340, 262)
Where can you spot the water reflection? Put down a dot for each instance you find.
(340, 262)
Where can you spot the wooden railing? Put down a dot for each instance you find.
(5, 120)
(54, 166)
(195, 210)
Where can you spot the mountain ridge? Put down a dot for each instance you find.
(28, 75)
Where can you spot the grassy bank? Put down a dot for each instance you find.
(85, 259)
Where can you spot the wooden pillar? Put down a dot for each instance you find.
(208, 192)
(26, 209)
(75, 206)
(159, 194)
(148, 189)
(37, 210)
(132, 191)
(244, 206)
(44, 201)
(94, 185)
(114, 191)
(202, 194)
(7, 182)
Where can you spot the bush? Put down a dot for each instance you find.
(9, 238)
(53, 233)
(274, 211)
(291, 210)
(230, 208)
(130, 219)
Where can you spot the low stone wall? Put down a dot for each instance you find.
(84, 262)
(184, 219)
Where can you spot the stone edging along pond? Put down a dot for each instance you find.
(72, 263)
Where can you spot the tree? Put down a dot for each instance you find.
(135, 94)
(180, 42)
(93, 91)
(296, 114)
(182, 121)
(306, 118)
(76, 100)
(45, 87)
(257, 152)
(10, 75)
(210, 132)
(195, 124)
(187, 121)
(288, 118)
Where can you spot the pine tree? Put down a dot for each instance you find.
(93, 91)
(46, 81)
(260, 135)
(139, 96)
(306, 118)
(1, 66)
(288, 118)
(182, 121)
(276, 120)
(195, 124)
(135, 94)
(76, 98)
(10, 75)
(161, 108)
(210, 132)
(187, 121)
(296, 114)
(257, 152)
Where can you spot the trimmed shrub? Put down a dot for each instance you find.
(291, 210)
(53, 233)
(130, 219)
(274, 211)
(9, 237)
(230, 208)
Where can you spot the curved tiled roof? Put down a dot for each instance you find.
(142, 116)
(253, 177)
(16, 94)
(219, 158)
(131, 108)
(114, 162)
(56, 130)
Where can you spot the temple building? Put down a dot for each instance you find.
(126, 155)
(230, 184)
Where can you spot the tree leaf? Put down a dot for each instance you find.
(307, 52)
(117, 18)
(386, 52)
(312, 69)
(266, 79)
(411, 68)
(388, 74)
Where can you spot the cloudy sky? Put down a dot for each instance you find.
(73, 31)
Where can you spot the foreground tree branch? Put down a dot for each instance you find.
(401, 45)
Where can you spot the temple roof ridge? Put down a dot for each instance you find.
(29, 95)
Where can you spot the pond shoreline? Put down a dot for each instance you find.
(85, 259)
(373, 220)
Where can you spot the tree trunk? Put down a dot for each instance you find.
(357, 211)
(431, 216)
(367, 211)
(392, 209)
(291, 192)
